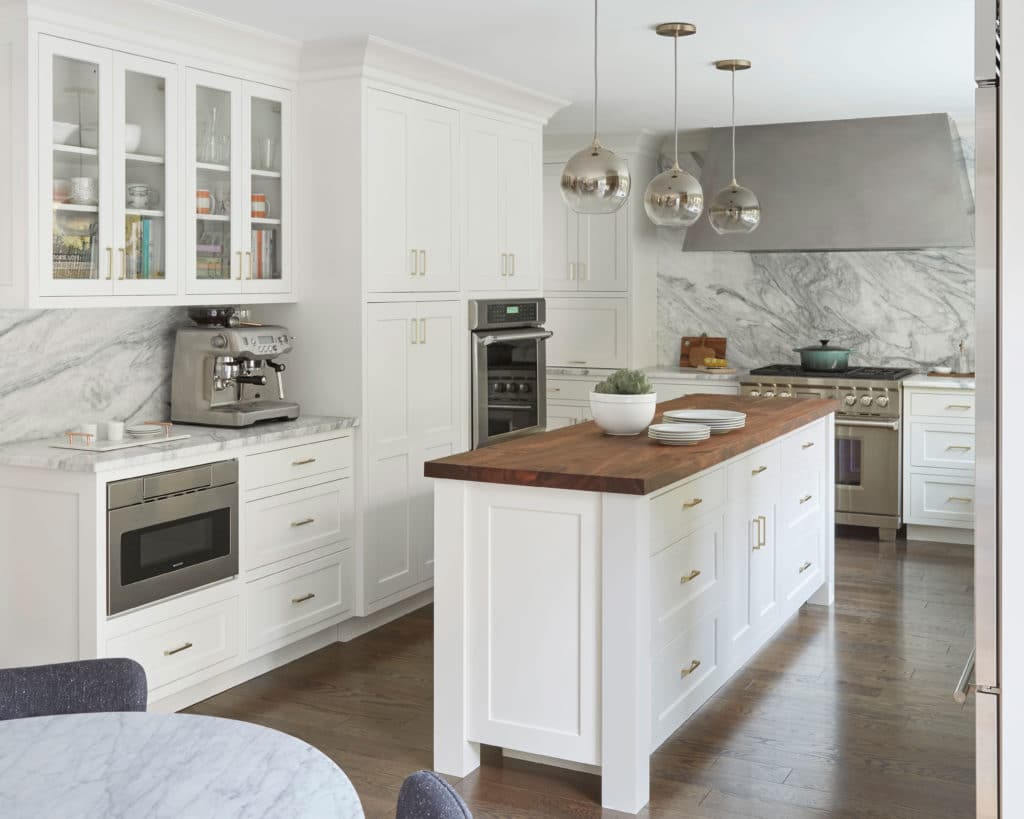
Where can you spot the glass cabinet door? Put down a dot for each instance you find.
(267, 204)
(76, 250)
(145, 173)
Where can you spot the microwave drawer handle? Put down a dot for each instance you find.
(172, 651)
(304, 461)
(532, 335)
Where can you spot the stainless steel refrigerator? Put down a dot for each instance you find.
(982, 672)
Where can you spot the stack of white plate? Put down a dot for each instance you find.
(678, 434)
(719, 421)
(144, 430)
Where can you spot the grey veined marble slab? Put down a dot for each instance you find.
(39, 455)
(164, 765)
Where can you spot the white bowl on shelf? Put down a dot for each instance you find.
(622, 414)
(64, 132)
(942, 370)
(132, 137)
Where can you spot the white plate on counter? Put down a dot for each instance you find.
(678, 434)
(719, 421)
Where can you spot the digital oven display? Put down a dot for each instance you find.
(512, 310)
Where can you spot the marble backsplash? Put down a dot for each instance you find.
(60, 368)
(893, 308)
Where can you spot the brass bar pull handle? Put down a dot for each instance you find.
(957, 448)
(414, 267)
(686, 578)
(805, 498)
(413, 337)
(513, 268)
(955, 499)
(554, 389)
(759, 470)
(171, 651)
(805, 567)
(572, 271)
(121, 276)
(423, 331)
(423, 263)
(958, 406)
(248, 256)
(110, 263)
(304, 461)
(303, 522)
(807, 445)
(694, 665)
(759, 543)
(304, 598)
(692, 503)
(504, 265)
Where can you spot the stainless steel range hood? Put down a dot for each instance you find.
(884, 183)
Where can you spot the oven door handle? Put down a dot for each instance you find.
(515, 335)
(893, 425)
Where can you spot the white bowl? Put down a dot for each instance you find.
(623, 414)
(64, 132)
(942, 370)
(132, 137)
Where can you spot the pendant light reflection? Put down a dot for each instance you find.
(595, 180)
(734, 209)
(674, 198)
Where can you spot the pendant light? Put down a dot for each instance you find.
(734, 209)
(595, 180)
(674, 197)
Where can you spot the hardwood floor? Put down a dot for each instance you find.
(847, 712)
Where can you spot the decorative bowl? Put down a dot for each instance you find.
(623, 414)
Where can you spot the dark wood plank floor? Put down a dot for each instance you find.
(847, 712)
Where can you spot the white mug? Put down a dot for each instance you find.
(114, 430)
(88, 429)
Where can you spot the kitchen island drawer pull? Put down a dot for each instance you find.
(172, 651)
(687, 671)
(304, 461)
(304, 598)
(807, 445)
(303, 522)
(686, 578)
(692, 503)
(805, 567)
(958, 447)
(957, 499)
(959, 406)
(759, 470)
(805, 498)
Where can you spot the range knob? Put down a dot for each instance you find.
(524, 387)
(219, 340)
(510, 387)
(882, 400)
(788, 392)
(850, 400)
(866, 400)
(498, 387)
(754, 393)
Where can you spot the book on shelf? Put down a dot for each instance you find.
(264, 253)
(143, 248)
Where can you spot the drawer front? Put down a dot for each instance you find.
(283, 526)
(184, 644)
(801, 497)
(292, 600)
(957, 405)
(295, 462)
(686, 581)
(683, 665)
(800, 557)
(676, 513)
(806, 448)
(941, 446)
(757, 475)
(936, 499)
(670, 390)
(570, 390)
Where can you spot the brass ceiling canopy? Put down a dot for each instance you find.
(731, 65)
(675, 29)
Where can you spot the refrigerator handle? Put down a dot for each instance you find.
(964, 686)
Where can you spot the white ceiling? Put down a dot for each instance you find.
(813, 59)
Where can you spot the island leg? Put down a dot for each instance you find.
(626, 653)
(453, 753)
(826, 595)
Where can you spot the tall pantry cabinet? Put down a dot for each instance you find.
(393, 245)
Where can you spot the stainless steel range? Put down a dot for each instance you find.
(869, 462)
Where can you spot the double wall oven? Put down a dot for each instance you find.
(508, 369)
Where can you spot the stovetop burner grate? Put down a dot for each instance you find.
(866, 373)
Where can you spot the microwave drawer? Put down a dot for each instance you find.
(295, 462)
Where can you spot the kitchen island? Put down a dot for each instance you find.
(591, 592)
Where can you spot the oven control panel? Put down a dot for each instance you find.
(511, 312)
(494, 314)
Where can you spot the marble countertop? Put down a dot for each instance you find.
(652, 372)
(164, 765)
(940, 383)
(39, 455)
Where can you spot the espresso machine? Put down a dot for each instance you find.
(220, 376)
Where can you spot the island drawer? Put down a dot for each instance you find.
(677, 512)
(943, 500)
(686, 581)
(800, 558)
(957, 405)
(680, 668)
(757, 474)
(801, 496)
(295, 462)
(282, 526)
(570, 390)
(184, 644)
(941, 446)
(806, 448)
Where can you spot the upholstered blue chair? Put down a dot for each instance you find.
(425, 795)
(72, 688)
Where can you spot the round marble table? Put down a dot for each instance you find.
(164, 765)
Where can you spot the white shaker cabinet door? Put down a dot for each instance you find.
(588, 332)
(520, 171)
(431, 211)
(484, 262)
(603, 261)
(561, 228)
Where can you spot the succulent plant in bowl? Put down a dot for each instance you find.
(623, 404)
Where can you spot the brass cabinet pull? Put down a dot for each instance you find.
(805, 498)
(304, 461)
(303, 522)
(248, 257)
(512, 269)
(121, 276)
(423, 263)
(414, 267)
(805, 567)
(955, 499)
(686, 578)
(413, 336)
(759, 470)
(762, 539)
(572, 270)
(110, 263)
(423, 331)
(304, 598)
(958, 406)
(958, 447)
(504, 265)
(178, 650)
(554, 389)
(808, 445)
(694, 502)
(694, 665)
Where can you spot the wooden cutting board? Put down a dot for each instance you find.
(694, 349)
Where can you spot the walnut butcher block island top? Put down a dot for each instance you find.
(591, 592)
(583, 457)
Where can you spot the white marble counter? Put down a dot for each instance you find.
(679, 374)
(39, 455)
(164, 765)
(923, 380)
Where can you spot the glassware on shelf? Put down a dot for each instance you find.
(265, 152)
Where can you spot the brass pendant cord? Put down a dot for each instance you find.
(675, 97)
(733, 72)
(595, 71)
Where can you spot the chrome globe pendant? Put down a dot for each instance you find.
(674, 198)
(734, 209)
(595, 180)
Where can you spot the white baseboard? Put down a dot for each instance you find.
(941, 534)
(568, 765)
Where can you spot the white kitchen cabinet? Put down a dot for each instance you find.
(502, 196)
(411, 163)
(588, 332)
(413, 415)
